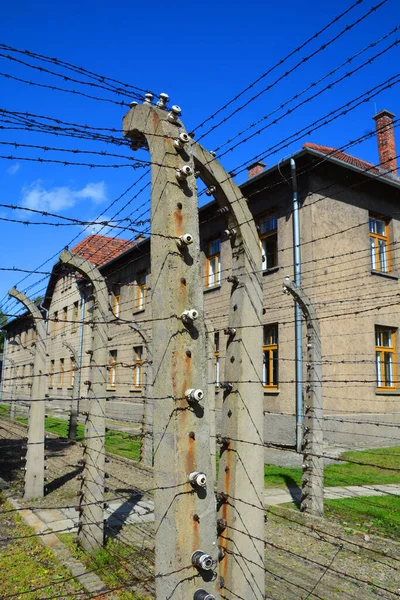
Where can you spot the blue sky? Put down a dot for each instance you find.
(202, 55)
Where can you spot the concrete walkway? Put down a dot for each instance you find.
(119, 513)
(274, 496)
(116, 514)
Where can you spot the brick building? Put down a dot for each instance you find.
(349, 238)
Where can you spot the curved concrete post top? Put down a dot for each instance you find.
(30, 306)
(71, 349)
(302, 298)
(91, 272)
(140, 123)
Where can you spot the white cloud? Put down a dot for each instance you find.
(14, 169)
(56, 199)
(96, 192)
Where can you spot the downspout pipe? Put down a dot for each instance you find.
(297, 311)
(3, 366)
(80, 351)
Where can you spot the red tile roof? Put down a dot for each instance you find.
(100, 249)
(349, 159)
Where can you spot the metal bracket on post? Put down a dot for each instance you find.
(312, 499)
(91, 526)
(185, 513)
(73, 417)
(34, 473)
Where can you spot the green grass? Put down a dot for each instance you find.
(114, 564)
(27, 565)
(4, 410)
(378, 515)
(345, 473)
(117, 442)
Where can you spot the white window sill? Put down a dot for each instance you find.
(212, 288)
(136, 390)
(138, 310)
(393, 392)
(383, 274)
(270, 392)
(271, 270)
(110, 389)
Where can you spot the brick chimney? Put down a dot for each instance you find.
(255, 169)
(386, 143)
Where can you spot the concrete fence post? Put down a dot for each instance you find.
(312, 499)
(91, 525)
(240, 498)
(185, 514)
(34, 474)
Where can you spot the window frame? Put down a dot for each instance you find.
(61, 373)
(211, 257)
(270, 348)
(112, 369)
(75, 315)
(141, 290)
(380, 365)
(137, 367)
(374, 252)
(55, 322)
(51, 372)
(72, 372)
(272, 233)
(117, 301)
(64, 319)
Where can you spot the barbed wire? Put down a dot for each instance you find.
(281, 62)
(299, 64)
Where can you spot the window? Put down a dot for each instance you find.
(216, 360)
(30, 382)
(385, 348)
(213, 266)
(71, 373)
(268, 231)
(112, 369)
(55, 320)
(137, 366)
(379, 244)
(23, 375)
(141, 290)
(117, 301)
(75, 315)
(33, 335)
(24, 337)
(61, 373)
(51, 373)
(270, 355)
(64, 318)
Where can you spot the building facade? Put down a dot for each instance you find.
(349, 240)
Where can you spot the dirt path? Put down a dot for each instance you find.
(304, 559)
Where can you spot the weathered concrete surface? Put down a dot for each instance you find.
(185, 514)
(91, 531)
(34, 473)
